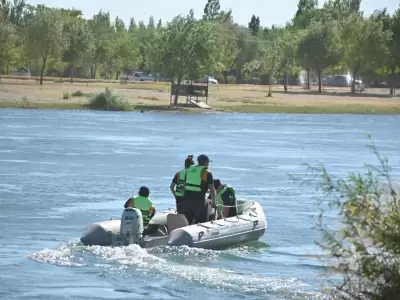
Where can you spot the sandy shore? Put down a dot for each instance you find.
(234, 98)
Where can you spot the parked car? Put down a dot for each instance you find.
(140, 76)
(210, 80)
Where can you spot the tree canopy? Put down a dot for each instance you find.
(333, 39)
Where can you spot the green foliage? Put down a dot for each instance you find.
(320, 47)
(45, 35)
(366, 247)
(109, 100)
(78, 94)
(335, 38)
(188, 46)
(364, 44)
(211, 10)
(254, 25)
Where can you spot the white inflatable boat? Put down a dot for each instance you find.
(170, 228)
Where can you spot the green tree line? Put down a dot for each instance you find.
(333, 38)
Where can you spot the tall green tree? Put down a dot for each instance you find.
(270, 58)
(7, 40)
(80, 41)
(104, 37)
(320, 48)
(254, 25)
(188, 48)
(46, 35)
(391, 25)
(212, 10)
(364, 45)
(151, 24)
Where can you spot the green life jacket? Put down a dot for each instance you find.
(193, 178)
(222, 190)
(146, 207)
(180, 186)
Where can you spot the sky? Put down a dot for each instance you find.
(270, 12)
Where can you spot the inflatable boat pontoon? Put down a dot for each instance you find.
(173, 229)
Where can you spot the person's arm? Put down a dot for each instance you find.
(210, 183)
(173, 184)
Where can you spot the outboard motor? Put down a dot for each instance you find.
(131, 226)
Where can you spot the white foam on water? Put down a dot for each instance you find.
(127, 261)
(63, 256)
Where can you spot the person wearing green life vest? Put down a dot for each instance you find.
(199, 180)
(145, 204)
(177, 186)
(226, 200)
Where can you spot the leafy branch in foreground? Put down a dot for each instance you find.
(367, 244)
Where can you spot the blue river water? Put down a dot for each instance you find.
(61, 170)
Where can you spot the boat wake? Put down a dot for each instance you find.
(207, 268)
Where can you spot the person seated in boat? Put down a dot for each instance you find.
(199, 180)
(226, 200)
(177, 186)
(145, 205)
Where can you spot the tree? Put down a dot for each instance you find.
(80, 40)
(45, 34)
(289, 44)
(320, 48)
(366, 245)
(391, 25)
(7, 39)
(103, 36)
(159, 24)
(132, 25)
(270, 58)
(151, 24)
(364, 45)
(188, 48)
(307, 10)
(254, 25)
(211, 10)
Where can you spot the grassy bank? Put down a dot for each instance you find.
(229, 98)
(244, 108)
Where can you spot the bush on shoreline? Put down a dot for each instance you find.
(109, 100)
(366, 245)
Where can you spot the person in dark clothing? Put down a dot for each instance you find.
(198, 181)
(226, 200)
(177, 186)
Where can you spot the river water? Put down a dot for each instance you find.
(61, 170)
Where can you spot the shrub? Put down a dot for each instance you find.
(78, 94)
(65, 95)
(367, 246)
(108, 100)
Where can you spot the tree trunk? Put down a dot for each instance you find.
(117, 75)
(72, 74)
(37, 68)
(319, 80)
(308, 79)
(42, 71)
(353, 84)
(238, 75)
(177, 90)
(286, 82)
(392, 81)
(225, 74)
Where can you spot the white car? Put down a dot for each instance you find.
(139, 76)
(210, 80)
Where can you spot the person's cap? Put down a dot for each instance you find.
(203, 158)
